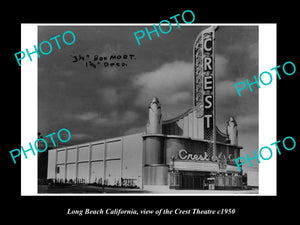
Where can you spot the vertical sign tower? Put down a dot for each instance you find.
(204, 84)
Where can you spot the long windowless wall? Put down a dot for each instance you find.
(116, 161)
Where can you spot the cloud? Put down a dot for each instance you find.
(80, 137)
(109, 49)
(87, 116)
(244, 109)
(67, 73)
(109, 73)
(253, 52)
(168, 78)
(248, 122)
(221, 63)
(109, 95)
(129, 117)
(116, 118)
(171, 83)
(135, 130)
(103, 121)
(225, 91)
(176, 98)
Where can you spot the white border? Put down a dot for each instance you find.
(267, 109)
(28, 110)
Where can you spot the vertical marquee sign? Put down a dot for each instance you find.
(204, 83)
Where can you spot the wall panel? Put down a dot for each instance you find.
(61, 156)
(114, 149)
(83, 172)
(113, 172)
(51, 164)
(71, 171)
(60, 172)
(84, 153)
(111, 161)
(97, 172)
(97, 151)
(71, 155)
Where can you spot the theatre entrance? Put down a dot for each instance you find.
(191, 180)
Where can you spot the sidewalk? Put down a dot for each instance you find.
(206, 192)
(91, 189)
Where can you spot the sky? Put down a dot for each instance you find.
(80, 90)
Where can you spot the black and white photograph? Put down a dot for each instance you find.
(152, 115)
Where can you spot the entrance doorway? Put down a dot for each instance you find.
(193, 180)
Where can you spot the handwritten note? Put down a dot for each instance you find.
(95, 60)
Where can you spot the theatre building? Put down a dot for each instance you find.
(186, 152)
